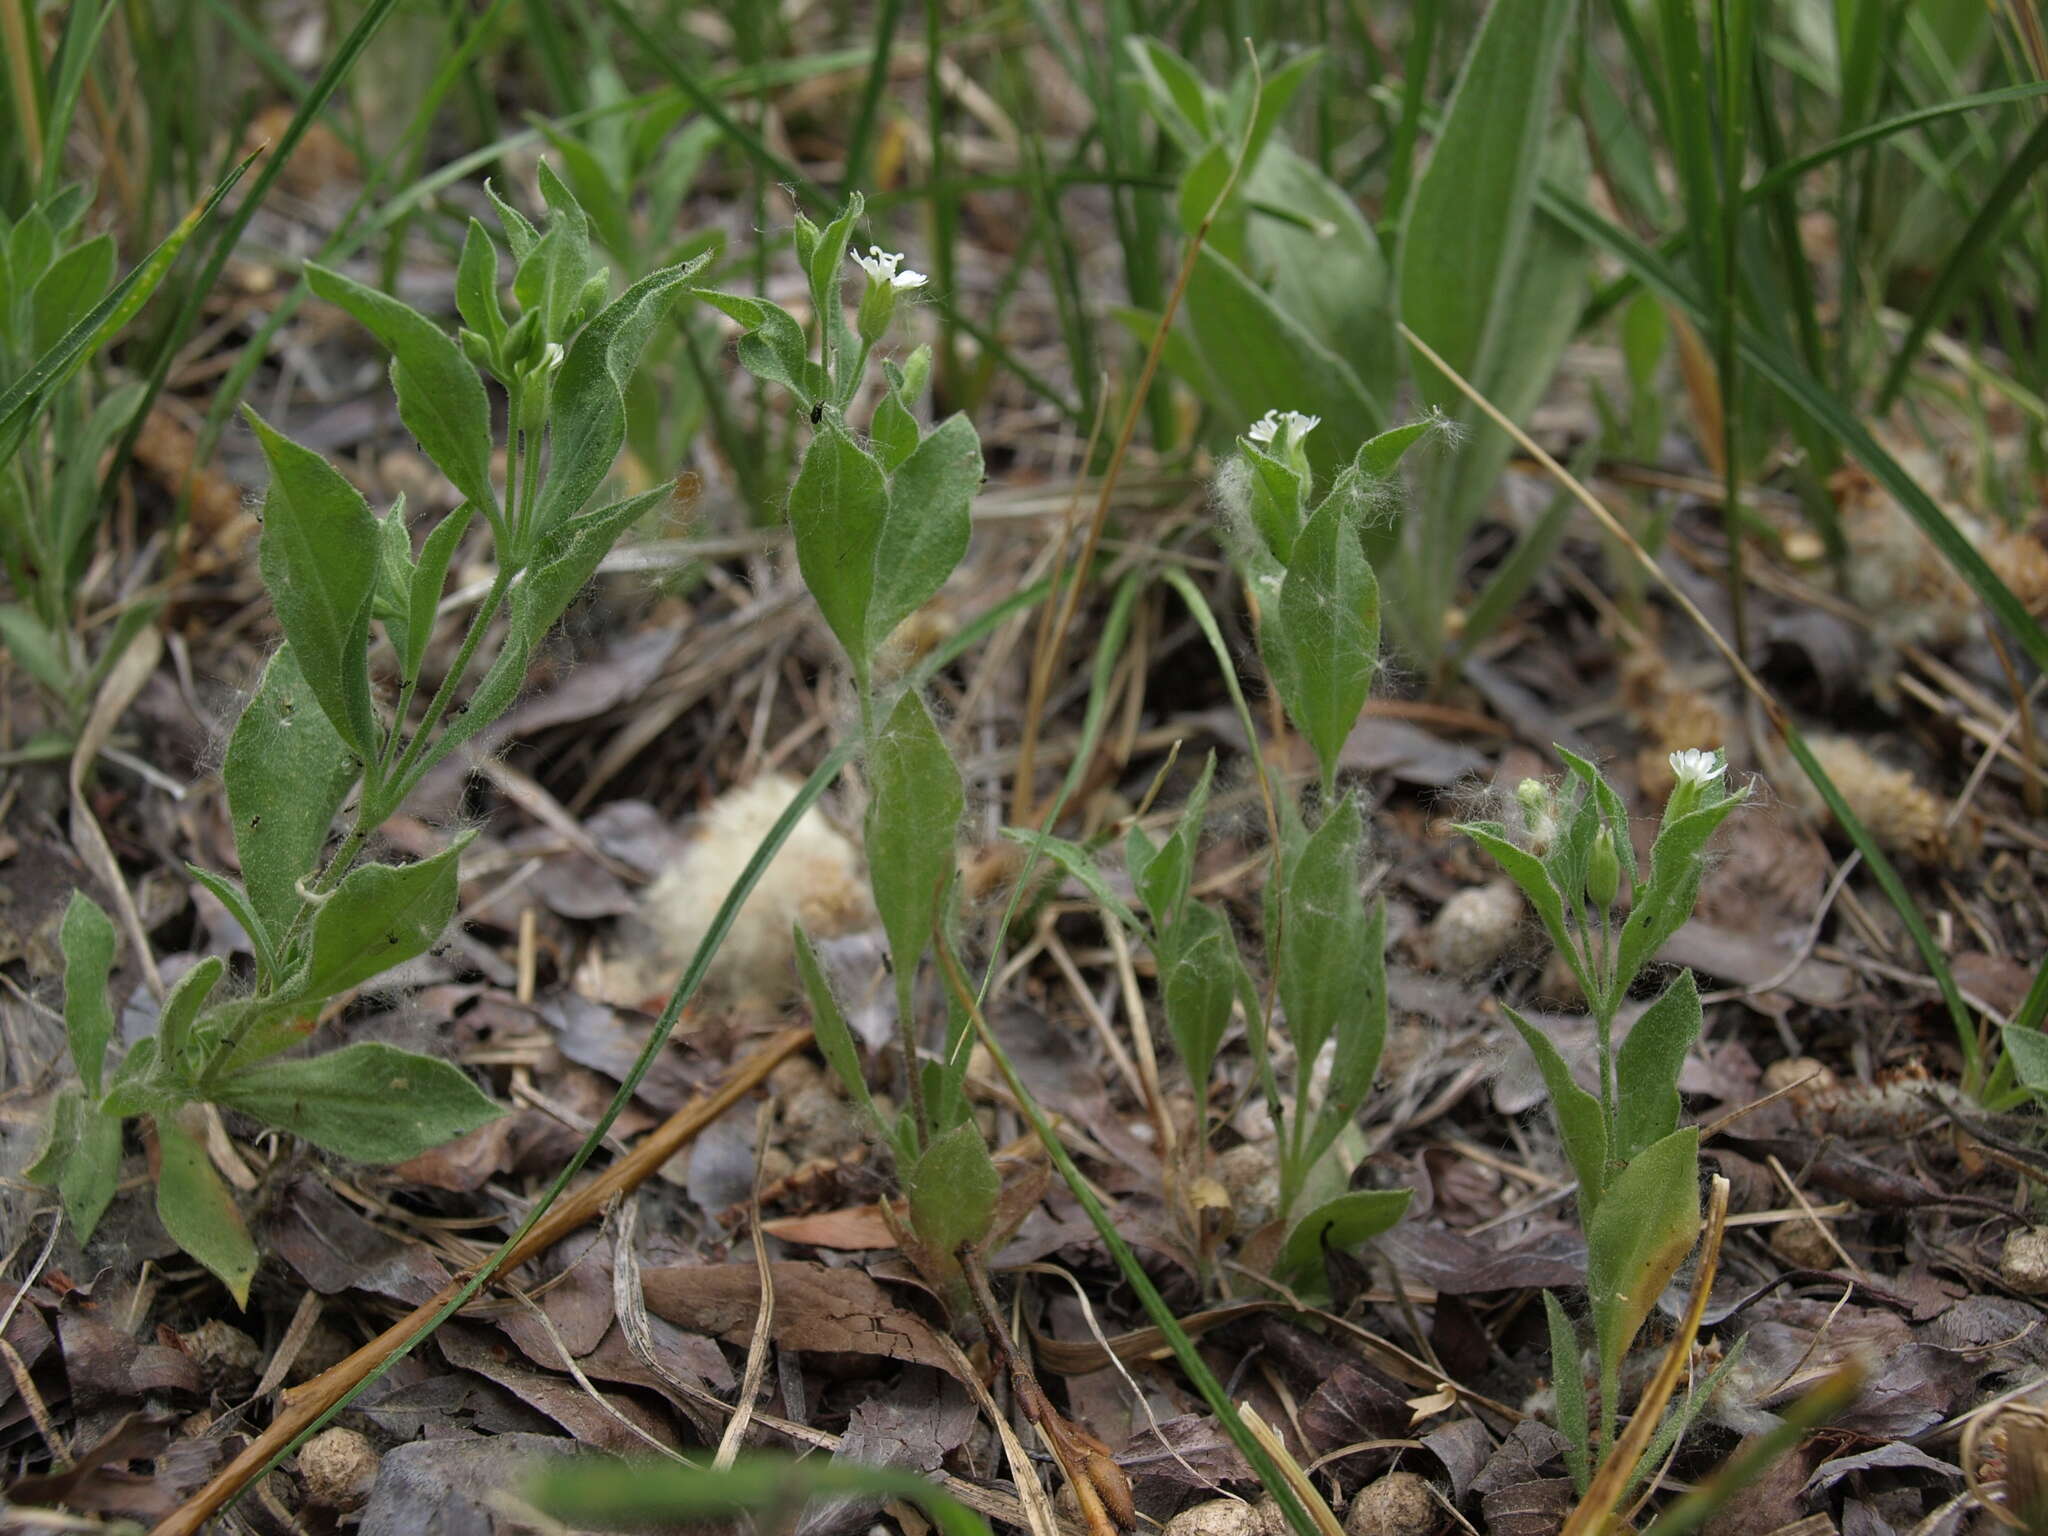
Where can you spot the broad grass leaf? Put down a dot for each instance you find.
(1467, 219)
(1340, 1225)
(87, 939)
(199, 1210)
(37, 650)
(1647, 1223)
(836, 510)
(287, 771)
(589, 404)
(370, 1102)
(1580, 1122)
(913, 815)
(380, 916)
(1646, 1067)
(319, 560)
(1268, 360)
(66, 292)
(925, 531)
(440, 398)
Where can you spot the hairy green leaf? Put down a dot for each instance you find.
(952, 1191)
(1648, 1220)
(836, 511)
(87, 939)
(925, 530)
(1338, 1225)
(1646, 1067)
(381, 915)
(370, 1102)
(1580, 1121)
(198, 1210)
(913, 816)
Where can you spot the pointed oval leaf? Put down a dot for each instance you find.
(1340, 1225)
(319, 557)
(440, 398)
(199, 1211)
(1329, 620)
(926, 529)
(913, 815)
(952, 1190)
(381, 915)
(1646, 1067)
(1579, 1119)
(836, 510)
(370, 1102)
(87, 939)
(287, 772)
(1648, 1220)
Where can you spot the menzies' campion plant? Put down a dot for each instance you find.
(314, 743)
(1316, 608)
(880, 518)
(1638, 1169)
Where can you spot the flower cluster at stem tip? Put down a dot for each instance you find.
(887, 279)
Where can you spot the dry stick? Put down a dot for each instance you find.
(306, 1403)
(1596, 1509)
(1054, 637)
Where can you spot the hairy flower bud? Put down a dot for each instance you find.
(1603, 869)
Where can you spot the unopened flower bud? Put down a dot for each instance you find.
(1603, 870)
(1539, 815)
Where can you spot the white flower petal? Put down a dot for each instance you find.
(1694, 766)
(909, 279)
(1265, 429)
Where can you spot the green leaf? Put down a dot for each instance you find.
(1533, 880)
(836, 510)
(1162, 876)
(835, 1039)
(2027, 1050)
(609, 1494)
(440, 398)
(772, 344)
(590, 393)
(952, 1191)
(391, 597)
(1329, 624)
(65, 293)
(380, 916)
(1078, 862)
(1321, 958)
(1568, 1383)
(429, 576)
(1383, 454)
(199, 1211)
(1361, 1036)
(914, 809)
(476, 285)
(370, 1102)
(182, 1004)
(287, 772)
(1340, 1225)
(243, 911)
(319, 559)
(87, 939)
(926, 528)
(1612, 811)
(1467, 220)
(1268, 360)
(37, 650)
(1648, 1220)
(1665, 900)
(1199, 974)
(1580, 1122)
(20, 401)
(80, 1159)
(1646, 1067)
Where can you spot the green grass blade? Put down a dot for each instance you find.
(860, 140)
(1784, 371)
(1976, 244)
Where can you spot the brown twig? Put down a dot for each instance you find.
(304, 1405)
(1100, 1487)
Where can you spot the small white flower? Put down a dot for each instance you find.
(551, 357)
(1695, 767)
(1285, 427)
(881, 267)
